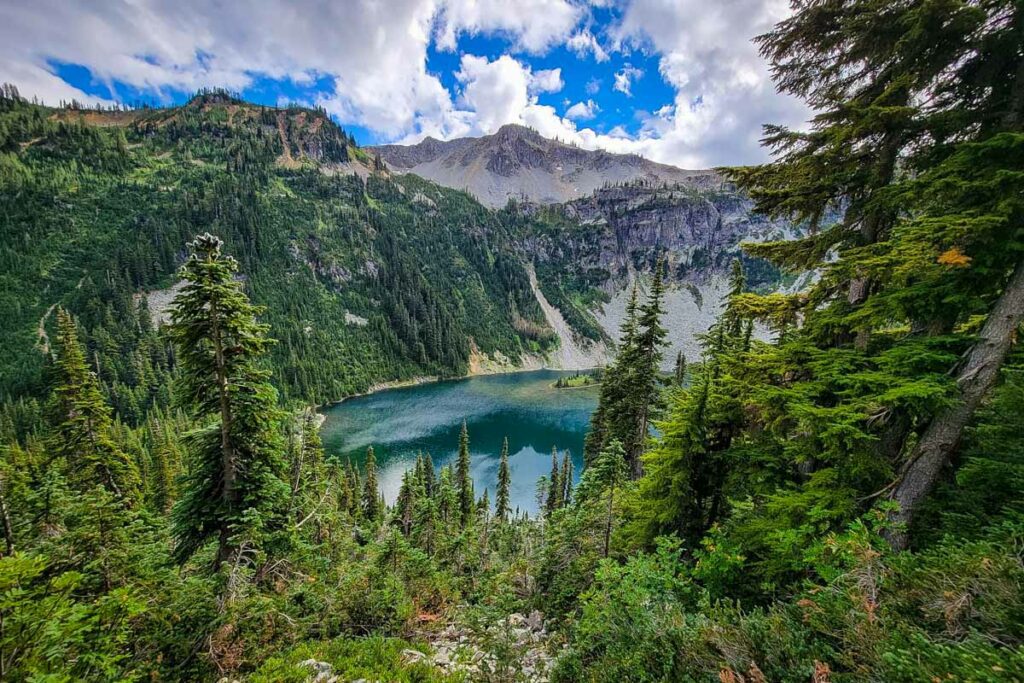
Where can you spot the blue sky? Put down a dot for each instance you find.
(675, 80)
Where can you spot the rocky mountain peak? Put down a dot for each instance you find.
(517, 162)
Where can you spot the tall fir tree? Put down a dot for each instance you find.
(501, 500)
(903, 177)
(565, 478)
(605, 421)
(237, 467)
(464, 481)
(553, 499)
(371, 491)
(82, 436)
(679, 371)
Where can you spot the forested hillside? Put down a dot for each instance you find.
(364, 277)
(840, 502)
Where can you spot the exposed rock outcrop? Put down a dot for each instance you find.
(518, 163)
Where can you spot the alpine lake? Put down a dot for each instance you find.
(525, 407)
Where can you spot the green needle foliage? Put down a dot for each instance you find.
(83, 431)
(501, 499)
(463, 480)
(236, 466)
(832, 490)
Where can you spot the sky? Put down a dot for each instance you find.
(677, 81)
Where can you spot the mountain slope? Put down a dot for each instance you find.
(518, 163)
(365, 278)
(589, 253)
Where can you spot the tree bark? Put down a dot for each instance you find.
(977, 376)
(6, 516)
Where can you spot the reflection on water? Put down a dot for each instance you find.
(399, 423)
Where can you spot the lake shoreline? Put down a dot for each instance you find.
(419, 381)
(427, 417)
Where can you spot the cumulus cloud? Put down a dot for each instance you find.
(534, 24)
(581, 111)
(548, 80)
(375, 56)
(724, 91)
(625, 77)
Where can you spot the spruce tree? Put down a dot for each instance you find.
(679, 373)
(82, 436)
(501, 500)
(429, 476)
(605, 422)
(643, 376)
(164, 474)
(566, 479)
(371, 493)
(604, 477)
(553, 499)
(405, 505)
(463, 480)
(902, 177)
(237, 462)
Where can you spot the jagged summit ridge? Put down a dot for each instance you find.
(517, 162)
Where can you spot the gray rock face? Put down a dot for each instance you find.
(518, 163)
(698, 229)
(615, 236)
(623, 213)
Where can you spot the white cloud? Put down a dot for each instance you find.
(535, 24)
(582, 111)
(724, 91)
(376, 54)
(625, 77)
(549, 80)
(583, 42)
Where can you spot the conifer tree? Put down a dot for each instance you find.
(501, 500)
(236, 468)
(644, 376)
(371, 493)
(83, 431)
(630, 387)
(463, 479)
(553, 498)
(566, 479)
(679, 372)
(164, 474)
(605, 421)
(912, 135)
(604, 477)
(405, 505)
(429, 476)
(448, 497)
(737, 284)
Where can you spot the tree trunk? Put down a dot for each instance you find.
(6, 516)
(976, 378)
(636, 464)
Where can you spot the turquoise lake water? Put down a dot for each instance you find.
(399, 423)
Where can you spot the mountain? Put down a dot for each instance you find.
(365, 277)
(590, 252)
(518, 163)
(601, 221)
